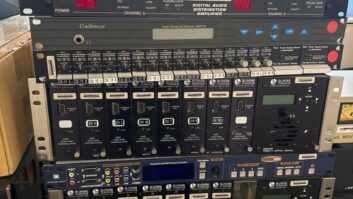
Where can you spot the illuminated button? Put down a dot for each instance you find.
(332, 27)
(332, 56)
(251, 174)
(241, 120)
(296, 171)
(202, 165)
(65, 124)
(244, 31)
(168, 121)
(242, 174)
(275, 26)
(274, 37)
(144, 122)
(289, 31)
(260, 173)
(242, 5)
(193, 120)
(92, 123)
(279, 172)
(288, 172)
(304, 32)
(234, 174)
(311, 171)
(259, 32)
(118, 123)
(202, 176)
(56, 176)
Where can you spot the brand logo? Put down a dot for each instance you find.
(92, 26)
(271, 159)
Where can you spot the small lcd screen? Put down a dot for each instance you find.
(168, 172)
(182, 33)
(278, 99)
(276, 197)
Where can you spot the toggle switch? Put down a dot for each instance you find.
(115, 108)
(141, 107)
(191, 107)
(216, 107)
(165, 107)
(88, 108)
(62, 109)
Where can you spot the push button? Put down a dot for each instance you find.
(118, 123)
(244, 31)
(274, 37)
(304, 32)
(168, 121)
(259, 32)
(289, 31)
(143, 122)
(275, 26)
(193, 120)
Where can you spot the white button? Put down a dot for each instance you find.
(193, 121)
(56, 176)
(202, 176)
(242, 174)
(279, 172)
(251, 174)
(260, 173)
(311, 171)
(202, 165)
(92, 123)
(296, 171)
(118, 123)
(144, 122)
(168, 121)
(65, 124)
(241, 120)
(288, 172)
(234, 174)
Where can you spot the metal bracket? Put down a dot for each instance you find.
(332, 105)
(327, 187)
(40, 119)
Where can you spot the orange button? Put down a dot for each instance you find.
(332, 56)
(332, 27)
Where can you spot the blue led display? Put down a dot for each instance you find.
(168, 172)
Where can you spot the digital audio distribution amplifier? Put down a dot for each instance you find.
(108, 50)
(226, 116)
(315, 188)
(127, 172)
(188, 8)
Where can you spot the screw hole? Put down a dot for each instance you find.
(35, 92)
(42, 148)
(37, 103)
(41, 139)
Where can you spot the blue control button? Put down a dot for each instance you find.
(274, 37)
(304, 32)
(289, 31)
(275, 26)
(244, 31)
(259, 32)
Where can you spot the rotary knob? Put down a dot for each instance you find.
(70, 193)
(120, 189)
(192, 185)
(95, 191)
(215, 185)
(243, 63)
(256, 63)
(237, 82)
(145, 188)
(267, 62)
(168, 186)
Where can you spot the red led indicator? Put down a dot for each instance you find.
(332, 56)
(242, 5)
(85, 4)
(332, 27)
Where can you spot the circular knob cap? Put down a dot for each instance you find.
(154, 151)
(215, 185)
(187, 82)
(202, 149)
(237, 82)
(145, 188)
(268, 62)
(70, 193)
(192, 185)
(249, 149)
(95, 191)
(226, 149)
(256, 63)
(212, 82)
(168, 186)
(120, 189)
(178, 150)
(230, 63)
(273, 82)
(243, 63)
(128, 151)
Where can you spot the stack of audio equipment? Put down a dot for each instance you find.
(186, 98)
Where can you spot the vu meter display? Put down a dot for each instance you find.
(346, 115)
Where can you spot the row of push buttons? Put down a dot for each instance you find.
(275, 36)
(243, 174)
(287, 172)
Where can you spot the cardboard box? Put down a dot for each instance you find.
(16, 131)
(344, 132)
